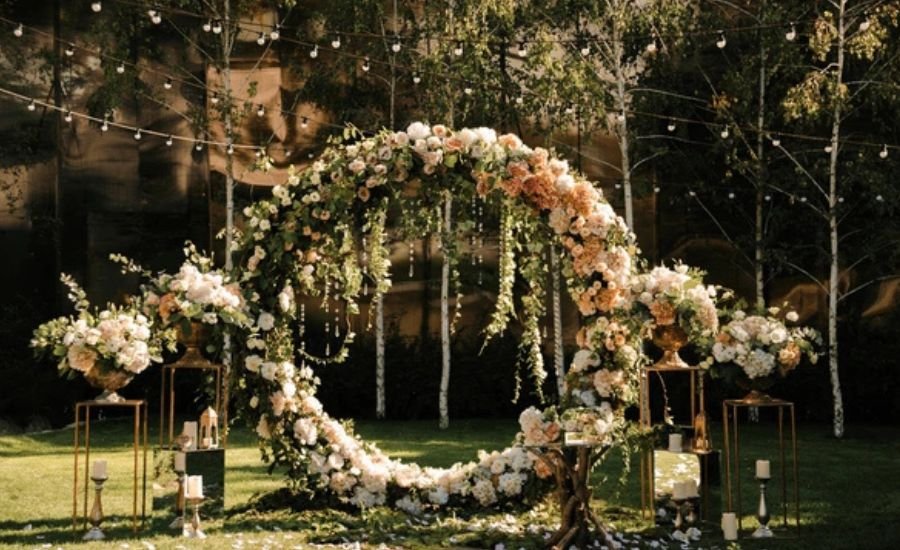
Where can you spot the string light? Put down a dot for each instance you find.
(121, 68)
(155, 17)
(522, 51)
(214, 99)
(365, 65)
(864, 25)
(776, 142)
(105, 126)
(68, 117)
(199, 146)
(207, 26)
(260, 110)
(656, 189)
(396, 46)
(304, 122)
(19, 31)
(570, 109)
(261, 40)
(217, 28)
(791, 35)
(467, 90)
(692, 193)
(731, 194)
(168, 84)
(169, 141)
(884, 152)
(32, 106)
(724, 133)
(416, 78)
(336, 42)
(314, 53)
(768, 198)
(671, 126)
(137, 135)
(276, 33)
(721, 42)
(651, 47)
(96, 7)
(519, 100)
(458, 49)
(585, 48)
(879, 198)
(230, 149)
(828, 148)
(69, 51)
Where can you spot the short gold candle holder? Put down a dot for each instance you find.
(762, 513)
(178, 522)
(194, 531)
(96, 518)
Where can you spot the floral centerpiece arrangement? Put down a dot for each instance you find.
(109, 346)
(754, 351)
(196, 297)
(680, 309)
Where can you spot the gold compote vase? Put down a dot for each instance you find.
(110, 380)
(756, 388)
(670, 339)
(193, 339)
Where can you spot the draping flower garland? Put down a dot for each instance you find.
(303, 240)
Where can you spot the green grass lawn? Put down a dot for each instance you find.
(850, 493)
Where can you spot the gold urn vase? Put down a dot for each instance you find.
(670, 339)
(193, 337)
(109, 380)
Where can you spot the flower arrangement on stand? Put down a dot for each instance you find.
(754, 351)
(680, 309)
(107, 346)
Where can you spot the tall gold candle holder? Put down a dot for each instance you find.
(95, 533)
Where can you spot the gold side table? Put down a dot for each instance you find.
(697, 403)
(83, 410)
(730, 408)
(168, 383)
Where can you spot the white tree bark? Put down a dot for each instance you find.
(559, 359)
(622, 99)
(443, 399)
(227, 45)
(380, 401)
(759, 257)
(833, 231)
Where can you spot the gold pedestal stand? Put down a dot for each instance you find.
(83, 414)
(730, 408)
(190, 361)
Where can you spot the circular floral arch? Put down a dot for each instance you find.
(323, 233)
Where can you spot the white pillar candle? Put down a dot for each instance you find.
(194, 487)
(679, 491)
(691, 488)
(99, 470)
(190, 428)
(675, 444)
(179, 462)
(762, 469)
(729, 526)
(206, 443)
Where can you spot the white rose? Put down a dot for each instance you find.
(266, 321)
(268, 370)
(254, 402)
(417, 130)
(792, 316)
(253, 362)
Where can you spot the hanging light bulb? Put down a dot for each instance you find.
(776, 142)
(19, 31)
(155, 17)
(260, 110)
(217, 28)
(620, 118)
(215, 98)
(828, 148)
(768, 198)
(864, 25)
(519, 100)
(802, 199)
(618, 186)
(69, 51)
(522, 51)
(884, 152)
(458, 49)
(692, 193)
(199, 146)
(120, 69)
(288, 153)
(416, 78)
(721, 42)
(336, 43)
(105, 126)
(841, 199)
(168, 84)
(365, 65)
(31, 105)
(207, 26)
(259, 153)
(651, 47)
(137, 135)
(724, 133)
(396, 46)
(570, 109)
(879, 198)
(671, 126)
(261, 40)
(169, 141)
(585, 47)
(230, 149)
(731, 194)
(314, 53)
(791, 35)
(304, 122)
(656, 189)
(275, 34)
(96, 7)
(68, 117)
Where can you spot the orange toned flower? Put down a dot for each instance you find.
(663, 312)
(167, 306)
(538, 158)
(363, 193)
(453, 144)
(518, 169)
(789, 357)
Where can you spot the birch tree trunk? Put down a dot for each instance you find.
(623, 127)
(559, 359)
(380, 401)
(445, 320)
(833, 230)
(759, 256)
